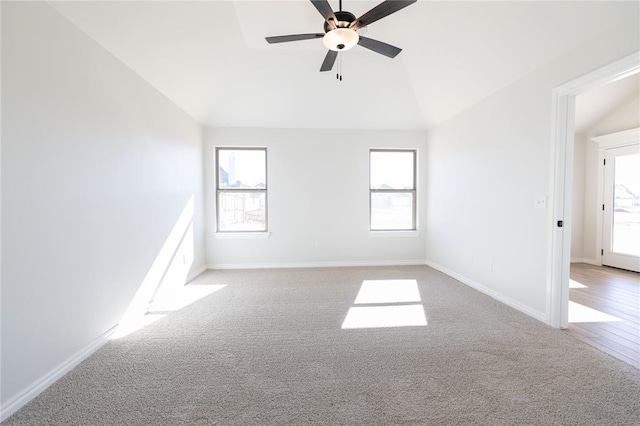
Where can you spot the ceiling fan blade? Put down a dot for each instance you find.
(385, 8)
(329, 60)
(325, 10)
(292, 37)
(379, 47)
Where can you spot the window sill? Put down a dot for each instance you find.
(386, 234)
(241, 235)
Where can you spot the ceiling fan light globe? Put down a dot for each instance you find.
(340, 39)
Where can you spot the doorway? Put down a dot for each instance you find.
(563, 140)
(621, 208)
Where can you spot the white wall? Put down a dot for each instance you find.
(584, 229)
(97, 167)
(318, 193)
(589, 207)
(487, 165)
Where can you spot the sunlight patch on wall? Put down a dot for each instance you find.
(581, 313)
(391, 304)
(167, 273)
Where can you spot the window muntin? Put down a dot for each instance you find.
(392, 190)
(241, 189)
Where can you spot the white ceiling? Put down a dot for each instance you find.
(211, 59)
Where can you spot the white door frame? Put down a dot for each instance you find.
(563, 115)
(609, 257)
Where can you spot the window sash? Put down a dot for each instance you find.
(413, 164)
(412, 192)
(241, 148)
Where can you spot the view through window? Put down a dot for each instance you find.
(626, 205)
(241, 189)
(392, 189)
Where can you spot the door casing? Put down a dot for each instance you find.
(563, 115)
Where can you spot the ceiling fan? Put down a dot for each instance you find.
(342, 30)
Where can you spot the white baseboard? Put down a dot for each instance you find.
(491, 293)
(21, 399)
(336, 264)
(585, 260)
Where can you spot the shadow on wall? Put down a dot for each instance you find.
(163, 288)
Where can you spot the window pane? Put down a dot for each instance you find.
(242, 211)
(391, 211)
(242, 168)
(392, 170)
(626, 205)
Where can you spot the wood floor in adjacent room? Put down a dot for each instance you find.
(604, 310)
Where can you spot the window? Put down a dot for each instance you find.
(392, 190)
(241, 189)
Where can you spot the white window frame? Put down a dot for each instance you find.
(220, 191)
(412, 191)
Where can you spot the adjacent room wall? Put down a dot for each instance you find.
(97, 168)
(487, 167)
(588, 210)
(318, 201)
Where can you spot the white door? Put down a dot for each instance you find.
(621, 216)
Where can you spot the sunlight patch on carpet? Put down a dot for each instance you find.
(132, 326)
(180, 297)
(170, 299)
(385, 316)
(391, 304)
(388, 291)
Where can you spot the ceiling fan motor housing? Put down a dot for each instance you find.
(344, 20)
(338, 34)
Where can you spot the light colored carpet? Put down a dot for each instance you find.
(269, 349)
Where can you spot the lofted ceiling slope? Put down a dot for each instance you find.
(596, 104)
(211, 59)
